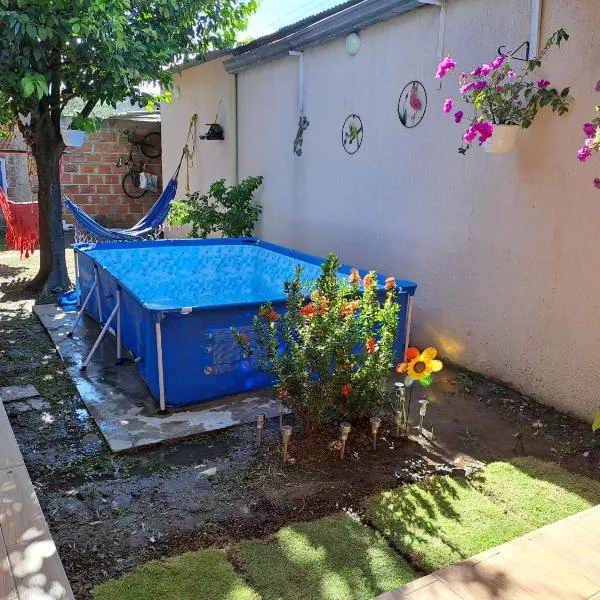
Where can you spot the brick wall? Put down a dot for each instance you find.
(90, 176)
(92, 180)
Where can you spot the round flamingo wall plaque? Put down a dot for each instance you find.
(412, 104)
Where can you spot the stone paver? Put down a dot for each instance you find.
(30, 568)
(17, 392)
(557, 562)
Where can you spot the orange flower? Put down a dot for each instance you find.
(369, 281)
(371, 345)
(323, 306)
(346, 389)
(354, 277)
(273, 316)
(390, 283)
(244, 339)
(308, 311)
(349, 308)
(283, 394)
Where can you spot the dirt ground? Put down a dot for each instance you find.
(109, 513)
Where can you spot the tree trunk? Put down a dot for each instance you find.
(47, 150)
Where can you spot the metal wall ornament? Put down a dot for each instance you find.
(352, 134)
(412, 104)
(303, 124)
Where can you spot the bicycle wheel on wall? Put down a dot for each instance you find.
(131, 187)
(151, 144)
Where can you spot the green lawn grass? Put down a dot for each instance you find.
(441, 520)
(335, 558)
(538, 492)
(203, 574)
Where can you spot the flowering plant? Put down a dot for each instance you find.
(592, 138)
(334, 349)
(501, 96)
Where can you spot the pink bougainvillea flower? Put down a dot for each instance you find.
(486, 69)
(463, 75)
(589, 142)
(458, 115)
(543, 84)
(447, 64)
(485, 130)
(597, 88)
(583, 154)
(467, 87)
(500, 89)
(470, 134)
(480, 85)
(511, 74)
(589, 129)
(448, 105)
(597, 183)
(476, 72)
(499, 61)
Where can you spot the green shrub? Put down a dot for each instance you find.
(225, 210)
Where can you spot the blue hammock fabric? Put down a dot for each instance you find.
(155, 217)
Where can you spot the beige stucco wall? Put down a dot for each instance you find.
(200, 90)
(504, 247)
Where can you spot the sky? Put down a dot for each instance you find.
(275, 14)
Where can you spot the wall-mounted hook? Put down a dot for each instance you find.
(512, 53)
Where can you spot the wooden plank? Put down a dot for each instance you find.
(10, 456)
(469, 584)
(38, 572)
(8, 590)
(417, 584)
(21, 516)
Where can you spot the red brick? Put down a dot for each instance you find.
(69, 167)
(88, 168)
(66, 178)
(80, 178)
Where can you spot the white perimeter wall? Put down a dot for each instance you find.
(504, 248)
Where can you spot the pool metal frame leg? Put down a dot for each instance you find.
(99, 339)
(159, 361)
(408, 324)
(85, 302)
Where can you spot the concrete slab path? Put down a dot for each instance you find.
(557, 562)
(30, 568)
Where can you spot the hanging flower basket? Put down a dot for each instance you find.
(503, 140)
(73, 137)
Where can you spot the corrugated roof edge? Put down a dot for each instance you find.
(318, 29)
(200, 60)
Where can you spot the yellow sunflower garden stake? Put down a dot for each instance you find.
(419, 366)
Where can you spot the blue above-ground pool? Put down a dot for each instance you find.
(179, 300)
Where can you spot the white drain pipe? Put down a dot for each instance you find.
(535, 28)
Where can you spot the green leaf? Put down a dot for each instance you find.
(596, 423)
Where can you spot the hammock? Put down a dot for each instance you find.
(22, 224)
(88, 230)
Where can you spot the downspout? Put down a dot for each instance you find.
(233, 141)
(535, 29)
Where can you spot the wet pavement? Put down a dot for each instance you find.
(119, 400)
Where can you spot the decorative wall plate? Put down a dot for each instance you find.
(352, 134)
(412, 104)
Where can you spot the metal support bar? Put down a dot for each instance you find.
(116, 309)
(85, 302)
(119, 326)
(98, 301)
(408, 324)
(159, 360)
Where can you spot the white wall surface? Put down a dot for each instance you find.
(504, 248)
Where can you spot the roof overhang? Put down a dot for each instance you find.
(347, 20)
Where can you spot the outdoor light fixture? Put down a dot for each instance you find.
(345, 430)
(260, 423)
(375, 424)
(286, 432)
(423, 402)
(400, 416)
(353, 44)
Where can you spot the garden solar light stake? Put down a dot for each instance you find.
(260, 423)
(423, 402)
(345, 430)
(400, 416)
(375, 423)
(286, 432)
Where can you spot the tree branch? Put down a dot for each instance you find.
(88, 108)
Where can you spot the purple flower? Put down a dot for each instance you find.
(485, 130)
(476, 72)
(511, 74)
(597, 88)
(500, 89)
(583, 154)
(486, 69)
(458, 115)
(589, 129)
(447, 105)
(467, 87)
(480, 85)
(463, 75)
(543, 84)
(470, 134)
(498, 61)
(447, 64)
(597, 183)
(589, 142)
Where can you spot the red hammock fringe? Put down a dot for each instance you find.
(22, 225)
